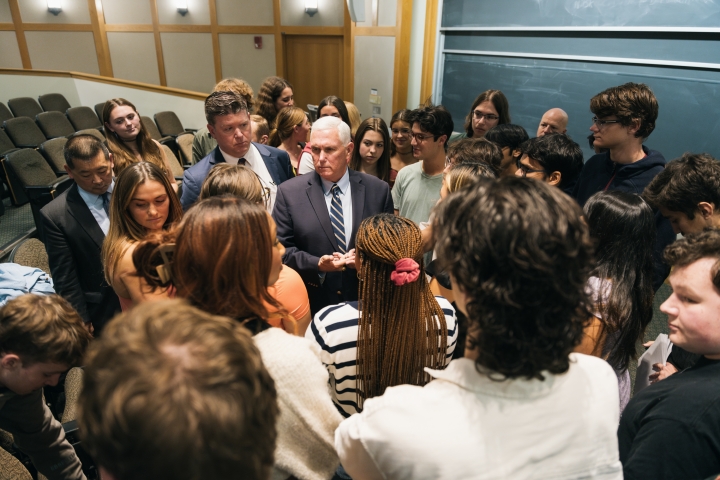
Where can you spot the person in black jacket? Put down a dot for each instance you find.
(670, 430)
(74, 226)
(624, 117)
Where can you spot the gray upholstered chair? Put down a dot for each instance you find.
(54, 102)
(54, 124)
(83, 118)
(24, 107)
(24, 132)
(52, 150)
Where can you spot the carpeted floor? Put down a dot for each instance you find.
(15, 223)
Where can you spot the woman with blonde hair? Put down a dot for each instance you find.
(275, 94)
(354, 116)
(238, 180)
(371, 154)
(291, 133)
(129, 141)
(396, 330)
(142, 202)
(222, 257)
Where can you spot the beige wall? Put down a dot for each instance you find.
(127, 12)
(330, 13)
(74, 51)
(9, 52)
(73, 11)
(5, 15)
(133, 56)
(126, 40)
(245, 12)
(241, 59)
(374, 68)
(189, 61)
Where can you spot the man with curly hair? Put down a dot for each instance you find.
(520, 404)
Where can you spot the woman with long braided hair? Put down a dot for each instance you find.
(396, 329)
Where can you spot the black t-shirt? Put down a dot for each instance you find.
(671, 430)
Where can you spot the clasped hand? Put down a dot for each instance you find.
(337, 261)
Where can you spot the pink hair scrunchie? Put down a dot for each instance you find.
(406, 271)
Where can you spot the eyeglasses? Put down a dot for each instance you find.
(419, 137)
(525, 169)
(487, 116)
(601, 123)
(402, 131)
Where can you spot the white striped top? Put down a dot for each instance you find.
(335, 329)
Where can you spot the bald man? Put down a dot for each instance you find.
(555, 120)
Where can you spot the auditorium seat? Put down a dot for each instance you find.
(54, 102)
(170, 125)
(54, 124)
(38, 180)
(24, 107)
(6, 145)
(83, 118)
(177, 169)
(185, 147)
(98, 110)
(52, 150)
(24, 132)
(5, 113)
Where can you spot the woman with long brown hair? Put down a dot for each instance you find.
(222, 257)
(489, 109)
(399, 327)
(401, 151)
(291, 133)
(142, 202)
(275, 94)
(371, 154)
(129, 141)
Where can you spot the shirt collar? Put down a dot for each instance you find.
(464, 373)
(91, 197)
(343, 183)
(251, 156)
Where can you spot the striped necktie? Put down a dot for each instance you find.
(336, 218)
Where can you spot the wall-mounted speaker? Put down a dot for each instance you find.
(357, 10)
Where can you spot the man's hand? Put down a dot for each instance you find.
(332, 263)
(350, 259)
(662, 372)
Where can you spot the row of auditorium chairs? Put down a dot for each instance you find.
(48, 135)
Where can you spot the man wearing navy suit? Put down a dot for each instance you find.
(229, 123)
(74, 226)
(318, 215)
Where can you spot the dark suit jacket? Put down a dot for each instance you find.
(303, 227)
(73, 240)
(276, 161)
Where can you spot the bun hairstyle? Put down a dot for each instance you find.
(401, 329)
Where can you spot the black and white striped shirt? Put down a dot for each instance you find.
(335, 329)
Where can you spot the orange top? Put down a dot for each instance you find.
(290, 292)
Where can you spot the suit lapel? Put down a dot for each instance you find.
(270, 164)
(79, 210)
(317, 200)
(357, 190)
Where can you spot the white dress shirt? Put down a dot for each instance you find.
(95, 204)
(465, 425)
(254, 160)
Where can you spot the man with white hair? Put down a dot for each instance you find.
(319, 213)
(554, 120)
